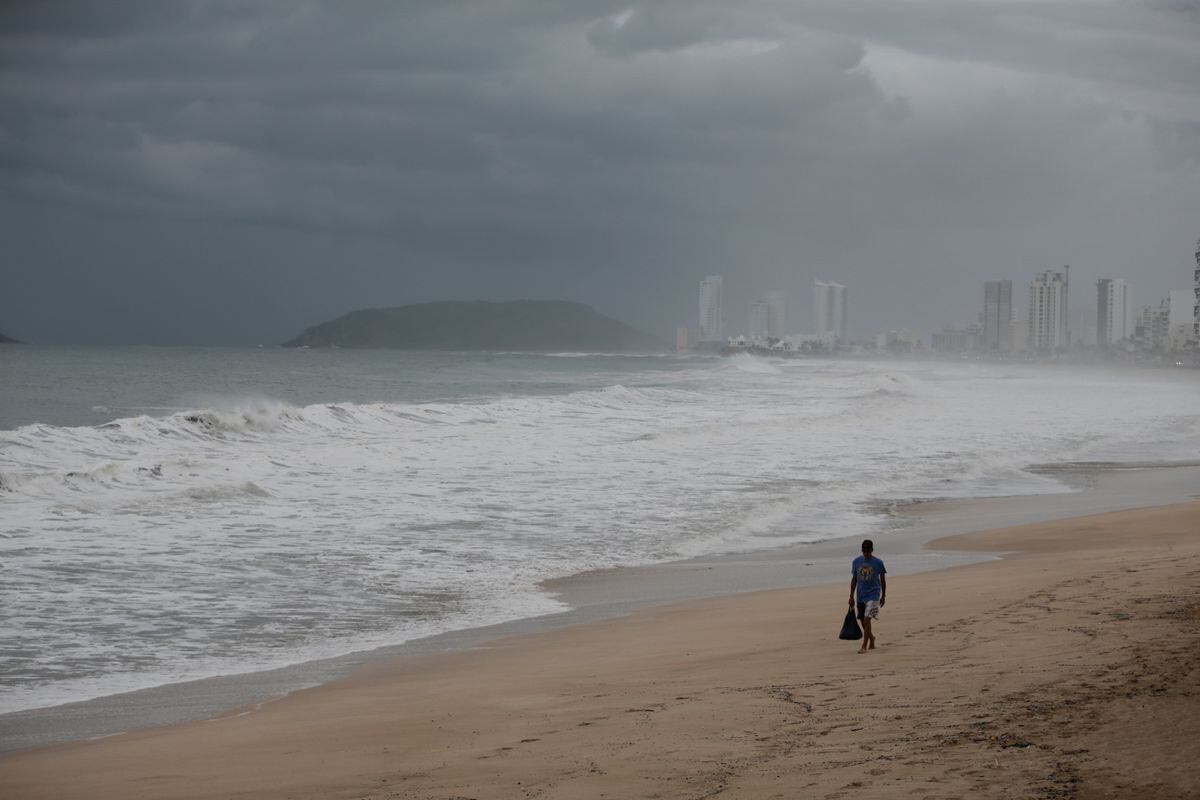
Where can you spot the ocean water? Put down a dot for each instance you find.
(171, 513)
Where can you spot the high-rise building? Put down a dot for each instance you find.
(1048, 312)
(997, 313)
(710, 309)
(829, 309)
(1114, 312)
(1152, 329)
(775, 315)
(759, 320)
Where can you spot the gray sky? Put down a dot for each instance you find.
(230, 172)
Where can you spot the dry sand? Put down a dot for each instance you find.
(1068, 669)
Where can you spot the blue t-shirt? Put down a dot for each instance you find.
(868, 570)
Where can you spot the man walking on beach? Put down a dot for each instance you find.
(867, 577)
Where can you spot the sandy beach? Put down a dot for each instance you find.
(1066, 669)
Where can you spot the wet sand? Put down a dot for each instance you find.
(1065, 669)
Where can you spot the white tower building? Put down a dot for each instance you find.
(829, 309)
(710, 309)
(1115, 314)
(1153, 326)
(1048, 312)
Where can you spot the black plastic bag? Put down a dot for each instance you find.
(850, 629)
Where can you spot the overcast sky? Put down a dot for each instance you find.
(226, 172)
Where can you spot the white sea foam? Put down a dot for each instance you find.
(746, 362)
(250, 534)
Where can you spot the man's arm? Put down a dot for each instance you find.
(882, 589)
(853, 584)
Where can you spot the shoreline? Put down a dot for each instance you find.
(608, 594)
(1029, 683)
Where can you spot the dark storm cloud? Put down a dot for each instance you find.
(266, 113)
(607, 152)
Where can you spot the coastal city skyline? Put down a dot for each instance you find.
(1118, 323)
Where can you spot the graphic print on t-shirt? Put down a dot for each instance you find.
(867, 571)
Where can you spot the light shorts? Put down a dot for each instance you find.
(868, 610)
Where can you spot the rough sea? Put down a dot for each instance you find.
(176, 513)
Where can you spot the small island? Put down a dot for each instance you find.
(519, 325)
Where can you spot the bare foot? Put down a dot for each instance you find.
(862, 649)
(871, 646)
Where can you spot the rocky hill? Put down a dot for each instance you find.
(520, 325)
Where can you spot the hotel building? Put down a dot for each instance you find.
(1048, 312)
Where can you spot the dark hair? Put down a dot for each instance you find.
(868, 545)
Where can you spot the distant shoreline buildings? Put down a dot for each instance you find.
(767, 320)
(1114, 312)
(1048, 312)
(1115, 329)
(829, 310)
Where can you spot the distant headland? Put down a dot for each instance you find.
(9, 340)
(520, 325)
